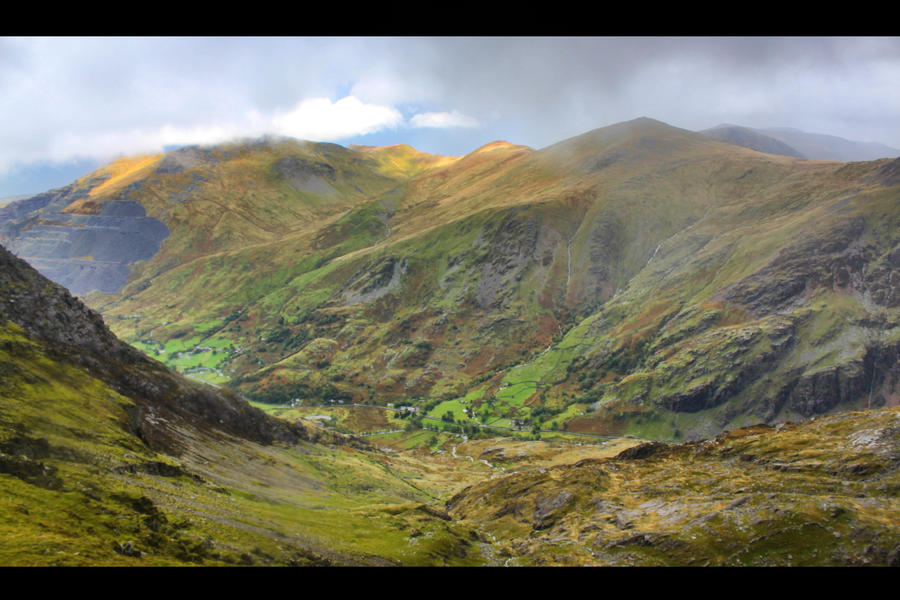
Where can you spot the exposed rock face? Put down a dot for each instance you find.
(83, 252)
(306, 175)
(819, 392)
(545, 509)
(829, 260)
(511, 248)
(376, 280)
(183, 159)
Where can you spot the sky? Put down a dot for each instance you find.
(71, 104)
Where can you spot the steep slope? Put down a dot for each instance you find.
(778, 305)
(59, 326)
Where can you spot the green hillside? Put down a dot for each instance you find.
(637, 279)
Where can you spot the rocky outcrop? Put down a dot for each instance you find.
(375, 280)
(827, 260)
(815, 493)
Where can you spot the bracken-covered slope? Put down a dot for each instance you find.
(638, 278)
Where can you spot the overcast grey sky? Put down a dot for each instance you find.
(91, 99)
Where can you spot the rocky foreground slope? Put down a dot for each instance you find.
(825, 492)
(53, 323)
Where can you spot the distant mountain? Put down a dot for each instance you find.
(793, 142)
(828, 147)
(749, 138)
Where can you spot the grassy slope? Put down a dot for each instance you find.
(107, 458)
(79, 489)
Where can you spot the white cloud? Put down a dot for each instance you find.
(323, 120)
(314, 119)
(443, 120)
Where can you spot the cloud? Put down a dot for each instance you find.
(315, 119)
(442, 120)
(323, 120)
(71, 97)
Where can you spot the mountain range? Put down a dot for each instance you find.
(788, 141)
(637, 280)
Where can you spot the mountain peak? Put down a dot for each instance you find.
(637, 139)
